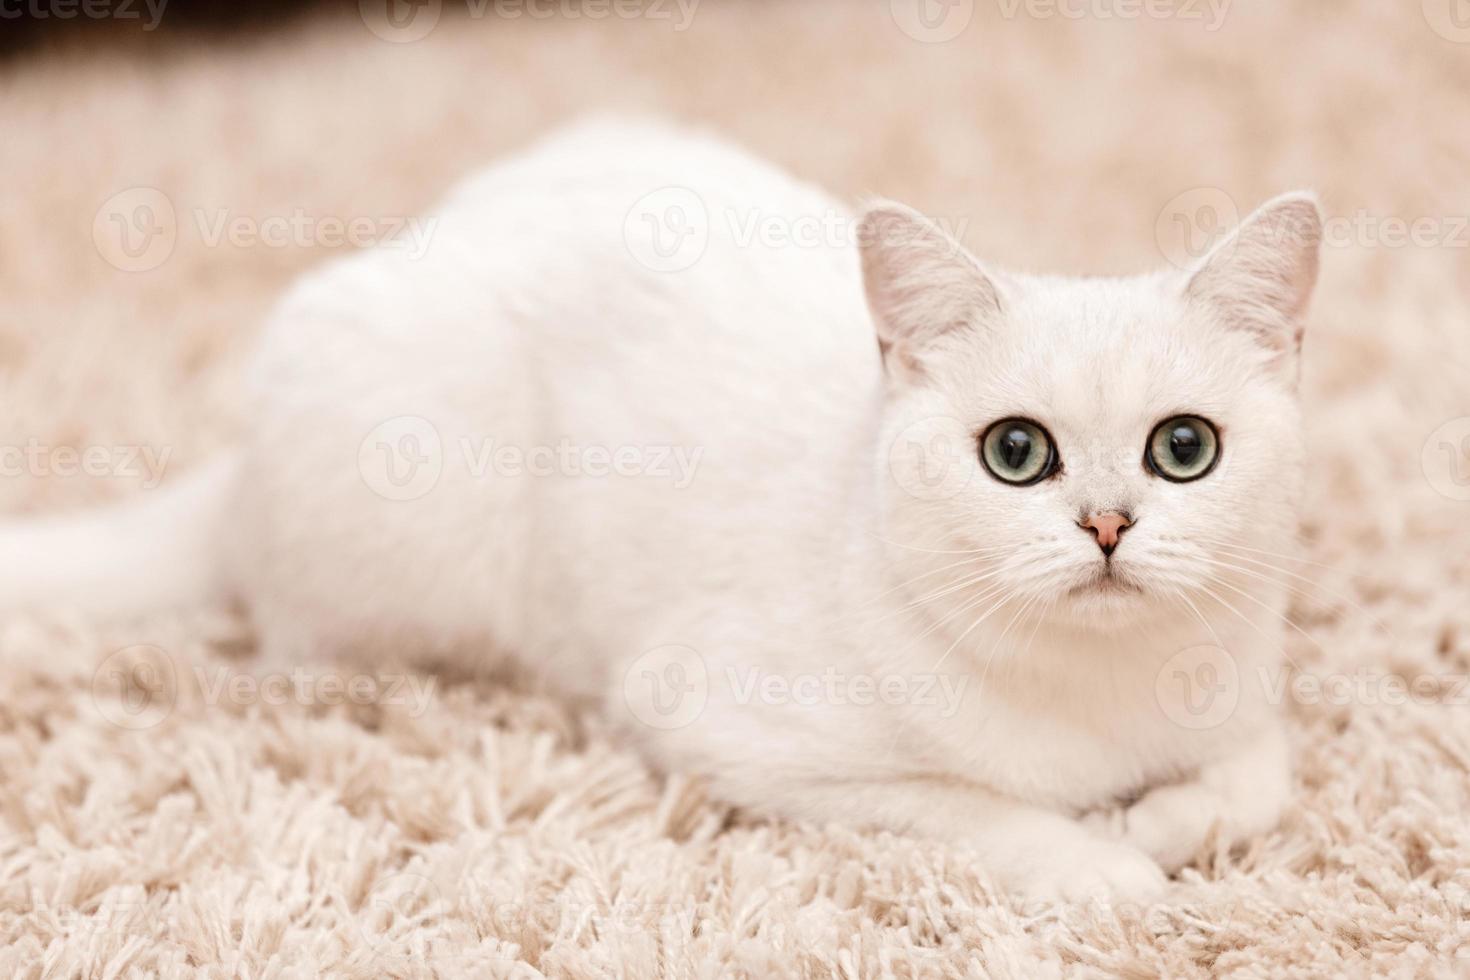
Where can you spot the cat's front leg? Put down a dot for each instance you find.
(1031, 851)
(1242, 794)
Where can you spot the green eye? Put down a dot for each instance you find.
(1183, 448)
(1018, 451)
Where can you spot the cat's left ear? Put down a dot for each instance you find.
(922, 286)
(1259, 279)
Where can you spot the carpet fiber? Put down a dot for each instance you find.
(466, 829)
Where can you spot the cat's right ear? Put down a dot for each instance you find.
(921, 285)
(1259, 278)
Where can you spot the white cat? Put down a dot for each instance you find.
(628, 422)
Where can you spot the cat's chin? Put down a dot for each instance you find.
(1107, 598)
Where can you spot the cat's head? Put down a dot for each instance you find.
(1099, 446)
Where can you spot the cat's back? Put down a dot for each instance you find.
(626, 245)
(618, 290)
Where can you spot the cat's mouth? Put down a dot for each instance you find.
(1106, 581)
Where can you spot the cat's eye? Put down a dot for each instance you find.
(1018, 451)
(1183, 448)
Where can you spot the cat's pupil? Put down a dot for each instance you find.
(1185, 444)
(1015, 448)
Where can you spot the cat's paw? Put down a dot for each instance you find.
(1236, 798)
(1170, 824)
(1093, 870)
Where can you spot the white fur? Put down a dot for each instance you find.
(807, 543)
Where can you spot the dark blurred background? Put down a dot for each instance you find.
(42, 25)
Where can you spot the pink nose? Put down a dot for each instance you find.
(1107, 528)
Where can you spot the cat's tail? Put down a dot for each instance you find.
(158, 549)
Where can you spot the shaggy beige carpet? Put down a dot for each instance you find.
(152, 823)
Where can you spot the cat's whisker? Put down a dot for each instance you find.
(1184, 597)
(955, 587)
(1252, 623)
(917, 604)
(1273, 611)
(1010, 594)
(937, 551)
(963, 562)
(913, 606)
(989, 593)
(1258, 575)
(993, 591)
(1331, 593)
(1041, 608)
(1286, 556)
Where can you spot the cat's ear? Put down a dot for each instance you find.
(921, 285)
(1260, 277)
